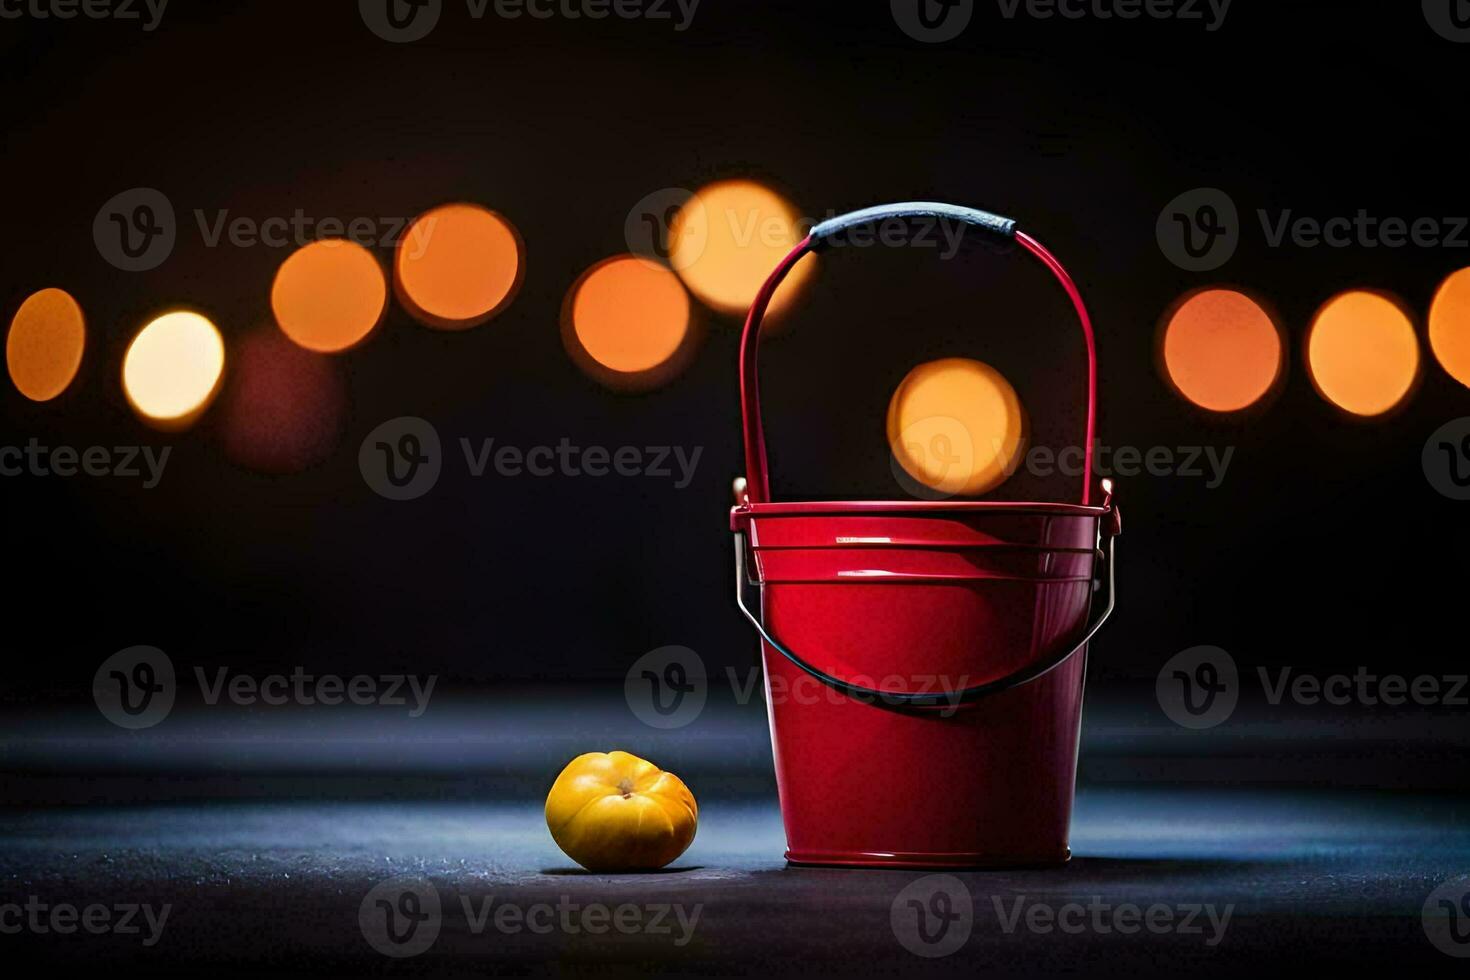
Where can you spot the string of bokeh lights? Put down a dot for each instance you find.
(633, 323)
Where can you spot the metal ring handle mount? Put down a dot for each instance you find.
(932, 699)
(756, 470)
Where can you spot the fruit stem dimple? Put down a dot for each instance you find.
(625, 786)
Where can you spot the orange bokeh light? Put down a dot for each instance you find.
(330, 295)
(173, 368)
(44, 347)
(458, 266)
(957, 426)
(628, 323)
(1222, 351)
(725, 241)
(1449, 326)
(1362, 352)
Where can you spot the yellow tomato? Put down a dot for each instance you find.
(611, 811)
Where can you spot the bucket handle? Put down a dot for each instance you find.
(945, 699)
(822, 235)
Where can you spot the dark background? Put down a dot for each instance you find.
(1325, 546)
(1325, 549)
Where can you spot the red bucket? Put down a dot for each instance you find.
(924, 661)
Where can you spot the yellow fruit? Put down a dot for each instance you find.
(611, 811)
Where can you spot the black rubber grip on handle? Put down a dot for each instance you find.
(824, 233)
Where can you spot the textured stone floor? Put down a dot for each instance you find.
(1165, 881)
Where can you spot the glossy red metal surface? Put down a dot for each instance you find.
(913, 598)
(985, 784)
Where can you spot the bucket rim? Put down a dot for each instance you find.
(932, 508)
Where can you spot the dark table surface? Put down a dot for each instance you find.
(1234, 879)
